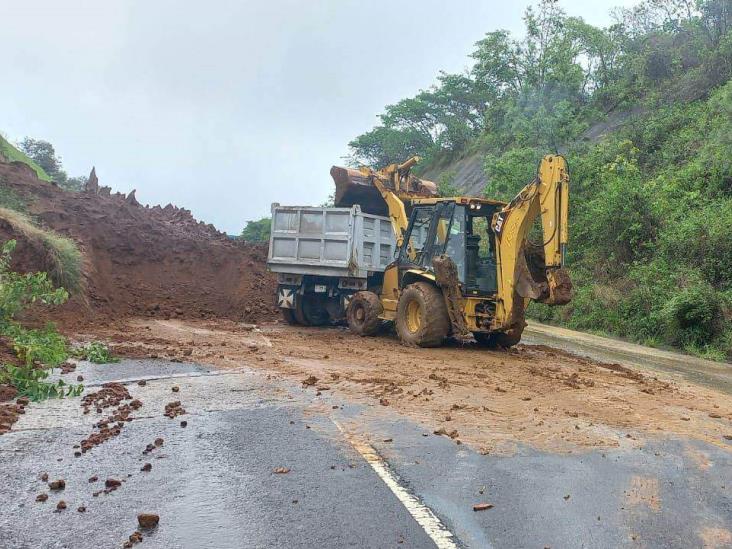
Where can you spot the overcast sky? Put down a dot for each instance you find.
(223, 107)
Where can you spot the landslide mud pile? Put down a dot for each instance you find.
(140, 261)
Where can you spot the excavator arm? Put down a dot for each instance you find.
(542, 279)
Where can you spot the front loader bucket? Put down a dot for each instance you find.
(357, 187)
(353, 187)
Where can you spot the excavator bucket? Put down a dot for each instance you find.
(353, 187)
(358, 186)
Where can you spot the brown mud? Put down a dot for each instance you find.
(138, 260)
(493, 400)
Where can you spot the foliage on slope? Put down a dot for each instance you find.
(8, 153)
(643, 111)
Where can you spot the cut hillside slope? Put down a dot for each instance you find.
(139, 260)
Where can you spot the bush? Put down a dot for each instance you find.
(38, 350)
(96, 352)
(508, 173)
(694, 317)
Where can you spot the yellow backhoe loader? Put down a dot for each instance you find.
(464, 266)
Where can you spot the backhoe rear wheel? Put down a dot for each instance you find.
(363, 313)
(421, 318)
(498, 339)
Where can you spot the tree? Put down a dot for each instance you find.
(257, 231)
(74, 184)
(43, 154)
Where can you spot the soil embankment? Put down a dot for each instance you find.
(140, 260)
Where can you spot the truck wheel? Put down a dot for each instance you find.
(363, 313)
(288, 315)
(498, 339)
(422, 316)
(313, 311)
(298, 313)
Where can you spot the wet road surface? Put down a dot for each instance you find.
(213, 485)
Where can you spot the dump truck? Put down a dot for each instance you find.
(323, 256)
(462, 267)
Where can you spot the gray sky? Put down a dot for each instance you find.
(222, 106)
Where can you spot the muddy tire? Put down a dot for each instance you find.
(298, 312)
(363, 313)
(314, 311)
(422, 318)
(288, 315)
(498, 339)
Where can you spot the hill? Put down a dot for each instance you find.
(9, 153)
(643, 112)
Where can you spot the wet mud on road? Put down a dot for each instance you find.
(571, 456)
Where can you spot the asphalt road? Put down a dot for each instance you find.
(354, 480)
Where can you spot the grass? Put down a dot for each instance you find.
(64, 257)
(10, 199)
(11, 154)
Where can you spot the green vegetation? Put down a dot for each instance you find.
(61, 254)
(10, 199)
(257, 231)
(11, 154)
(38, 350)
(44, 155)
(96, 352)
(643, 112)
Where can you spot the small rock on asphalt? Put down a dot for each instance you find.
(41, 497)
(482, 506)
(281, 470)
(175, 388)
(148, 520)
(61, 505)
(81, 509)
(147, 467)
(59, 484)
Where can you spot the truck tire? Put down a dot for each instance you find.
(498, 339)
(288, 315)
(298, 313)
(313, 311)
(422, 318)
(363, 313)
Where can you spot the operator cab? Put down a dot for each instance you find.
(459, 228)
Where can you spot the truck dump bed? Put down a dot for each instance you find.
(343, 242)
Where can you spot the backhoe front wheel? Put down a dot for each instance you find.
(363, 313)
(421, 318)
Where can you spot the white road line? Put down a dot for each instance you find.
(425, 517)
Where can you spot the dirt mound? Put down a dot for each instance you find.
(139, 260)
